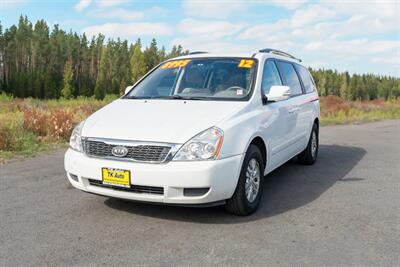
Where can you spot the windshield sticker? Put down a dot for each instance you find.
(175, 64)
(246, 63)
(239, 92)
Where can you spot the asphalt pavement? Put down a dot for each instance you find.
(342, 211)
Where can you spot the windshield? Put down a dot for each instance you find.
(197, 79)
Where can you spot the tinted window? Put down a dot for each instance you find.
(306, 78)
(290, 76)
(270, 76)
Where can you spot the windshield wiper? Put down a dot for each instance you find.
(132, 97)
(169, 97)
(187, 97)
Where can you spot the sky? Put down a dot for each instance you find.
(354, 36)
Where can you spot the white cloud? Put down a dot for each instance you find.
(214, 45)
(117, 13)
(209, 35)
(224, 8)
(354, 47)
(372, 8)
(394, 60)
(212, 29)
(103, 4)
(82, 4)
(12, 3)
(212, 9)
(127, 14)
(71, 22)
(111, 3)
(331, 34)
(288, 4)
(311, 14)
(156, 12)
(319, 25)
(262, 31)
(129, 31)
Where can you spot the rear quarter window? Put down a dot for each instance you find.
(306, 79)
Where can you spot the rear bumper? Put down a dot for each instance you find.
(220, 176)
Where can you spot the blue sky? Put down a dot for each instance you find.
(358, 36)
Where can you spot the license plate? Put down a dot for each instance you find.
(116, 177)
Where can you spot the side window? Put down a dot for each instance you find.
(306, 78)
(290, 76)
(270, 76)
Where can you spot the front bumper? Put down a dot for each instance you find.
(220, 176)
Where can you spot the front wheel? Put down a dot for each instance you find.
(249, 189)
(309, 155)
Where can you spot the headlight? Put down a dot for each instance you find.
(205, 145)
(75, 142)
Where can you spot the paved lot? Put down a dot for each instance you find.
(343, 211)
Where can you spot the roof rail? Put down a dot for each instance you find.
(278, 52)
(197, 52)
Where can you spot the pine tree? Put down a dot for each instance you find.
(353, 87)
(66, 91)
(138, 63)
(344, 86)
(103, 80)
(49, 86)
(151, 55)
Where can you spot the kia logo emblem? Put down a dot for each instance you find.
(119, 151)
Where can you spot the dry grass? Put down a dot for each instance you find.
(28, 126)
(334, 110)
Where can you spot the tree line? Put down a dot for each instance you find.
(37, 62)
(356, 86)
(42, 63)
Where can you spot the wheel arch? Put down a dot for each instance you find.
(316, 121)
(261, 144)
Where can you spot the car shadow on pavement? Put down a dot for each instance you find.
(288, 187)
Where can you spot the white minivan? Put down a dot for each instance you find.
(199, 130)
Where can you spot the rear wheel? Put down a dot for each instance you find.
(249, 189)
(309, 155)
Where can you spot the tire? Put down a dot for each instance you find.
(240, 203)
(310, 154)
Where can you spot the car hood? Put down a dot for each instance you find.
(173, 121)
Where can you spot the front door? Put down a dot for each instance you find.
(279, 121)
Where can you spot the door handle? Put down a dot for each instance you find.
(294, 110)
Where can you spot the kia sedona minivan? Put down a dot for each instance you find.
(200, 130)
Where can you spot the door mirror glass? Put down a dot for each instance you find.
(278, 93)
(127, 89)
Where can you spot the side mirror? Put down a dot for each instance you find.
(278, 93)
(127, 89)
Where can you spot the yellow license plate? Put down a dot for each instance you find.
(116, 177)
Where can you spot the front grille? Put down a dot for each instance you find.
(134, 188)
(140, 152)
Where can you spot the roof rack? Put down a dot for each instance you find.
(278, 52)
(197, 52)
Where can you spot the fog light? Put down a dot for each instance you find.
(73, 177)
(195, 192)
